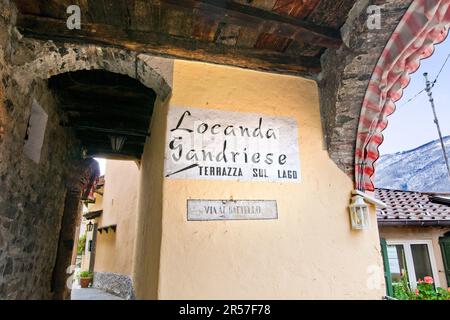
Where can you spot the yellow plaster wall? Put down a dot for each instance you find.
(114, 250)
(309, 252)
(149, 221)
(421, 233)
(98, 204)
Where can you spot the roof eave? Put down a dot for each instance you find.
(93, 214)
(416, 223)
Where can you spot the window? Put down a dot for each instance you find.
(411, 257)
(421, 260)
(397, 261)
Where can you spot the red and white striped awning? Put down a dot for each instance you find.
(424, 24)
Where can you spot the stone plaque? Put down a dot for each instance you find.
(205, 210)
(222, 145)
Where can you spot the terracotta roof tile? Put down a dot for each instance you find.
(409, 206)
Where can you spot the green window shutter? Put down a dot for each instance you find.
(445, 250)
(387, 271)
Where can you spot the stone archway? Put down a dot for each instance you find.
(424, 24)
(32, 206)
(22, 60)
(51, 59)
(346, 73)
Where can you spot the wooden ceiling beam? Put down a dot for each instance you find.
(107, 147)
(111, 91)
(77, 83)
(111, 121)
(85, 99)
(125, 113)
(265, 21)
(108, 154)
(94, 140)
(84, 106)
(124, 132)
(168, 46)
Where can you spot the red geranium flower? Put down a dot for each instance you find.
(417, 292)
(428, 280)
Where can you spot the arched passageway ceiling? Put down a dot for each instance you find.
(285, 36)
(346, 74)
(31, 59)
(102, 107)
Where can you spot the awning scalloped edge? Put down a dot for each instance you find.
(424, 25)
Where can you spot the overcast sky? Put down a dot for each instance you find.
(412, 124)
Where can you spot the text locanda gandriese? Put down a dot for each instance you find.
(181, 150)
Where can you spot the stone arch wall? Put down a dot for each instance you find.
(425, 24)
(6, 16)
(2, 114)
(356, 97)
(346, 75)
(33, 195)
(46, 59)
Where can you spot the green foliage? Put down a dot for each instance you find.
(402, 291)
(425, 290)
(86, 274)
(443, 294)
(81, 244)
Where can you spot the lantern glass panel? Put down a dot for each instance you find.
(359, 214)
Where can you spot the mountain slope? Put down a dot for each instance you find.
(421, 169)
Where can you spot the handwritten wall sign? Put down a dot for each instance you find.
(223, 145)
(205, 210)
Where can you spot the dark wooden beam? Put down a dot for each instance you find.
(168, 46)
(125, 113)
(82, 103)
(235, 13)
(129, 149)
(95, 139)
(105, 83)
(110, 121)
(112, 91)
(125, 132)
(109, 154)
(85, 100)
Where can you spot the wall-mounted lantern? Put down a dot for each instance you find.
(90, 226)
(359, 209)
(359, 213)
(117, 142)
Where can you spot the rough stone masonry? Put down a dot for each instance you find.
(31, 194)
(347, 72)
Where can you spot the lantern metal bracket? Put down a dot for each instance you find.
(370, 199)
